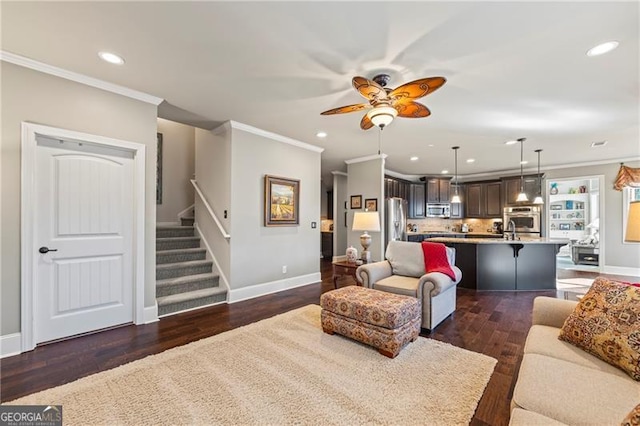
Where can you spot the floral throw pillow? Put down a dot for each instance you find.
(606, 323)
(633, 418)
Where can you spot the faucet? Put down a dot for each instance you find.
(511, 227)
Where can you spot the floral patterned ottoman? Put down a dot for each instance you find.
(383, 320)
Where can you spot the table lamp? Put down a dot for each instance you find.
(366, 221)
(633, 223)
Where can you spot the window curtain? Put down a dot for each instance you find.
(627, 176)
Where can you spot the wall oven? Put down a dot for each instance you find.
(526, 219)
(438, 210)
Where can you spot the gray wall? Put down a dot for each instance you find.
(617, 253)
(213, 174)
(178, 167)
(29, 95)
(366, 178)
(258, 252)
(340, 230)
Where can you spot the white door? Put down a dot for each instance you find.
(84, 211)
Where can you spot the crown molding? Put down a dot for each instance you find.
(339, 173)
(367, 158)
(412, 178)
(271, 135)
(22, 61)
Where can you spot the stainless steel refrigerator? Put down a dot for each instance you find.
(396, 220)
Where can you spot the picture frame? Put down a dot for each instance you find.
(371, 204)
(356, 202)
(281, 201)
(564, 226)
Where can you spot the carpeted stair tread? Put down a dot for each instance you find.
(173, 243)
(178, 269)
(175, 231)
(180, 255)
(189, 300)
(187, 283)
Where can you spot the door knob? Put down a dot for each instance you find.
(45, 250)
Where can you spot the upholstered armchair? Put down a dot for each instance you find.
(404, 273)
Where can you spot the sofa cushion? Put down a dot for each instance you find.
(543, 340)
(408, 259)
(529, 418)
(606, 323)
(398, 284)
(573, 394)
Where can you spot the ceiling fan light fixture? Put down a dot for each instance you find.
(382, 115)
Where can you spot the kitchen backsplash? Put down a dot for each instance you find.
(437, 224)
(326, 225)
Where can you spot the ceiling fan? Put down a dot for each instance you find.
(388, 103)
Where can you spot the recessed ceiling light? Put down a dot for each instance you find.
(444, 172)
(598, 144)
(321, 134)
(414, 159)
(511, 142)
(603, 48)
(112, 58)
(471, 160)
(524, 162)
(430, 145)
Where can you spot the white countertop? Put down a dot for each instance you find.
(499, 241)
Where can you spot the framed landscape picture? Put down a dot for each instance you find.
(281, 201)
(371, 204)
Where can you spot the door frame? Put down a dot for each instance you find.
(28, 262)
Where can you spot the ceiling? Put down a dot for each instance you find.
(515, 69)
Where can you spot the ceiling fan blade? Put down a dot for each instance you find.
(411, 109)
(369, 89)
(417, 88)
(365, 123)
(345, 109)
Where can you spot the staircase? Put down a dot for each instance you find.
(184, 277)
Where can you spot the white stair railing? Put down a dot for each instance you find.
(224, 233)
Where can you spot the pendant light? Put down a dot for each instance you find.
(538, 199)
(522, 196)
(456, 197)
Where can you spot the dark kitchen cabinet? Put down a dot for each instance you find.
(396, 188)
(417, 206)
(511, 189)
(327, 245)
(330, 205)
(516, 267)
(438, 190)
(483, 200)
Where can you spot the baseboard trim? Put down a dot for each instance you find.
(244, 293)
(151, 313)
(622, 270)
(10, 344)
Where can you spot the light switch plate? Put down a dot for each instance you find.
(313, 225)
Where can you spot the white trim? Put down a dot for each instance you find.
(10, 345)
(224, 233)
(27, 232)
(274, 136)
(151, 313)
(338, 173)
(622, 270)
(185, 211)
(412, 178)
(167, 224)
(192, 309)
(225, 281)
(366, 158)
(12, 58)
(244, 293)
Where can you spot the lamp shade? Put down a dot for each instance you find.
(538, 200)
(633, 222)
(382, 115)
(522, 197)
(456, 199)
(366, 221)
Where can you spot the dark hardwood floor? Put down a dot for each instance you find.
(493, 323)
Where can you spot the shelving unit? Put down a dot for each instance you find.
(568, 215)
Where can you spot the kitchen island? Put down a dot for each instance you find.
(498, 264)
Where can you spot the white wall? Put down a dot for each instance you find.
(340, 230)
(258, 253)
(29, 95)
(178, 168)
(617, 254)
(366, 178)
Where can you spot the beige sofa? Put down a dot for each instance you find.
(559, 383)
(403, 273)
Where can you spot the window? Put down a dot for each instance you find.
(629, 194)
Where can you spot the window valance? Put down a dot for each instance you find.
(627, 176)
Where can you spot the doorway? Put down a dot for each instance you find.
(82, 240)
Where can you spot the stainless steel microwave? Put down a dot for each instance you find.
(438, 210)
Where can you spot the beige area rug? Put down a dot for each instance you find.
(282, 370)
